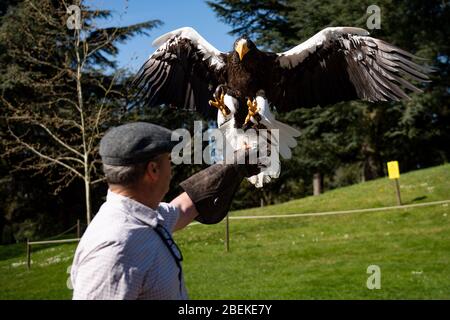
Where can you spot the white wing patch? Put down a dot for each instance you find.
(294, 56)
(209, 51)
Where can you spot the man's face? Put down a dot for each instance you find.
(164, 174)
(166, 170)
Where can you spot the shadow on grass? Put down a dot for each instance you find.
(9, 251)
(419, 198)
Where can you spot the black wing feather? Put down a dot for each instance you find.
(178, 74)
(346, 68)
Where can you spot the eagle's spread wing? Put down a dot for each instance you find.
(183, 72)
(341, 64)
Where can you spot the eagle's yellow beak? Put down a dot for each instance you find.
(241, 48)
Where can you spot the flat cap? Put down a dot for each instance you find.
(135, 142)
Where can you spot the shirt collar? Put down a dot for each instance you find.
(135, 209)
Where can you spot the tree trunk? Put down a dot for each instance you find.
(372, 168)
(87, 187)
(86, 148)
(266, 197)
(2, 226)
(317, 183)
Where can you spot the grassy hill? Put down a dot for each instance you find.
(294, 258)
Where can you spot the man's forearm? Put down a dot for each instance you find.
(187, 210)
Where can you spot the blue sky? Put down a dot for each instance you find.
(173, 13)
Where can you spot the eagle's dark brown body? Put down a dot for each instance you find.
(246, 84)
(244, 78)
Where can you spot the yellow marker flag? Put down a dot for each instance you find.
(393, 170)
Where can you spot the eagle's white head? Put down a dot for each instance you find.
(242, 46)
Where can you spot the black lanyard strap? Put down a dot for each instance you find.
(173, 248)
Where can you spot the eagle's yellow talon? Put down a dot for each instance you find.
(220, 104)
(252, 109)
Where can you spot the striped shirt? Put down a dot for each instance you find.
(120, 256)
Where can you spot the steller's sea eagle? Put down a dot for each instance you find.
(336, 64)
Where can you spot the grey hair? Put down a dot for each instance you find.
(124, 175)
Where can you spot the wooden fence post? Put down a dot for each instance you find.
(78, 229)
(397, 192)
(28, 255)
(227, 236)
(394, 174)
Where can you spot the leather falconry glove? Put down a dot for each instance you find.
(212, 189)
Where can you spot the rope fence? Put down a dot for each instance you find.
(293, 215)
(51, 241)
(316, 214)
(328, 213)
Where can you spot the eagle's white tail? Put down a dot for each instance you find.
(287, 133)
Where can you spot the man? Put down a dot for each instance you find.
(127, 252)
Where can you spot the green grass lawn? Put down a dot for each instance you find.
(294, 258)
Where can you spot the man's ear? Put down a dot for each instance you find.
(152, 171)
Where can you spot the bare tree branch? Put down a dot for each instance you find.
(31, 148)
(98, 181)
